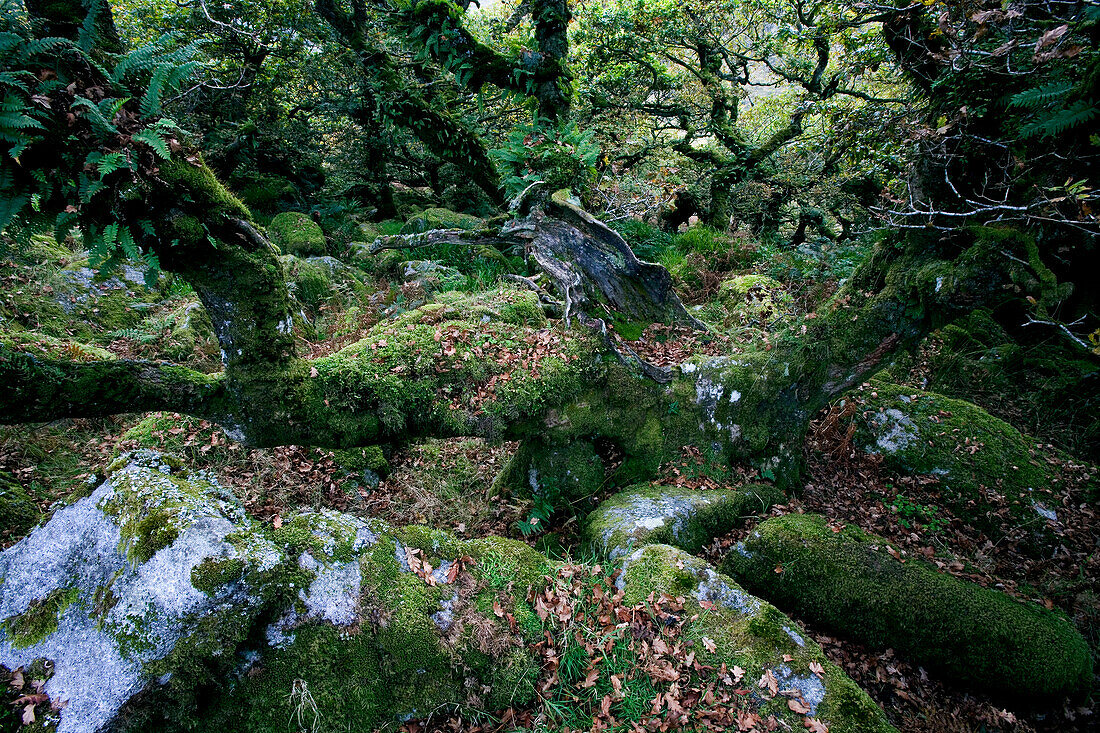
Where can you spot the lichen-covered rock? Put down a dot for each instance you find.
(988, 471)
(849, 581)
(105, 588)
(316, 281)
(295, 233)
(687, 518)
(432, 276)
(739, 630)
(430, 219)
(157, 590)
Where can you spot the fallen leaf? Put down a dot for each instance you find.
(768, 680)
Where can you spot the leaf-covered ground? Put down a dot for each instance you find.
(448, 484)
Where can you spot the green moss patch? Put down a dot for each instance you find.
(429, 219)
(40, 620)
(18, 511)
(850, 582)
(295, 233)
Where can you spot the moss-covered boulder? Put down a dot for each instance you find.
(687, 518)
(432, 276)
(296, 233)
(429, 219)
(1049, 385)
(317, 281)
(104, 590)
(749, 301)
(849, 581)
(408, 199)
(989, 473)
(735, 630)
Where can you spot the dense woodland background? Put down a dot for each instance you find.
(231, 230)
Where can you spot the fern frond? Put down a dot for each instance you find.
(101, 123)
(1041, 96)
(155, 141)
(1062, 120)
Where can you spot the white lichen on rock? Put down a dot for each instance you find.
(100, 646)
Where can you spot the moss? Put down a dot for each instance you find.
(983, 463)
(40, 619)
(193, 671)
(749, 301)
(295, 233)
(206, 190)
(357, 460)
(164, 431)
(390, 384)
(502, 563)
(429, 219)
(153, 531)
(848, 582)
(18, 512)
(505, 303)
(744, 631)
(685, 518)
(215, 572)
(560, 473)
(262, 192)
(327, 535)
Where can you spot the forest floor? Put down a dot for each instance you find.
(445, 483)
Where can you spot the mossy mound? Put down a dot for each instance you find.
(38, 249)
(43, 345)
(505, 303)
(408, 199)
(432, 277)
(988, 471)
(1048, 385)
(167, 432)
(262, 192)
(687, 518)
(848, 581)
(429, 219)
(736, 629)
(319, 281)
(295, 233)
(749, 301)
